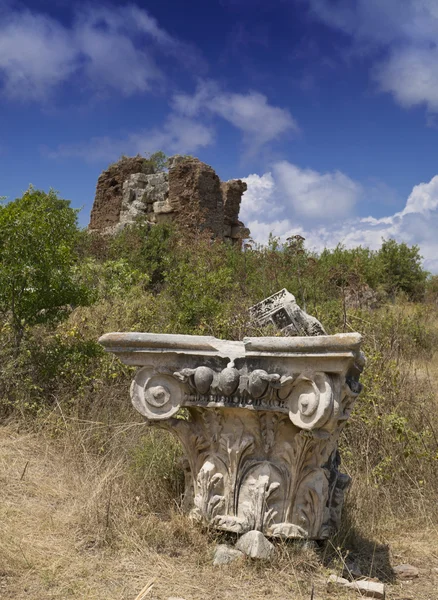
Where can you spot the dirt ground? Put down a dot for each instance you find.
(45, 553)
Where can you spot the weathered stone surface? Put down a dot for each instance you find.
(282, 310)
(239, 232)
(224, 555)
(195, 191)
(109, 191)
(162, 206)
(175, 160)
(254, 544)
(191, 193)
(142, 194)
(369, 589)
(232, 192)
(263, 420)
(406, 571)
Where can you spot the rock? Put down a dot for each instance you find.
(282, 310)
(254, 544)
(406, 571)
(223, 555)
(369, 589)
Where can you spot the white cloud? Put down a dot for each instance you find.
(381, 21)
(423, 198)
(406, 30)
(107, 47)
(417, 223)
(258, 199)
(178, 135)
(304, 193)
(252, 114)
(411, 75)
(312, 195)
(259, 121)
(35, 55)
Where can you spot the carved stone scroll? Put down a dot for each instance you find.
(264, 418)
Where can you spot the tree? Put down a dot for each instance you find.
(158, 160)
(38, 233)
(401, 269)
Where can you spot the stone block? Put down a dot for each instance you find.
(406, 571)
(137, 180)
(368, 589)
(224, 555)
(254, 544)
(282, 311)
(162, 206)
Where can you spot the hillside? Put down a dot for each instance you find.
(91, 498)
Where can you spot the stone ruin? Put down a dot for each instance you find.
(282, 311)
(264, 416)
(190, 191)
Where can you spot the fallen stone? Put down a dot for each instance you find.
(223, 555)
(282, 311)
(254, 544)
(369, 589)
(406, 571)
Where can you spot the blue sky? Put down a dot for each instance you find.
(327, 108)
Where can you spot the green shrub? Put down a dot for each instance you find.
(38, 234)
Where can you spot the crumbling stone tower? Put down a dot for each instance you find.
(190, 190)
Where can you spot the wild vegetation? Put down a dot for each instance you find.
(61, 288)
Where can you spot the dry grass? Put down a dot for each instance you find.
(89, 508)
(69, 533)
(70, 528)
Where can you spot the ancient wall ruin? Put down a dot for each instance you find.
(108, 199)
(189, 192)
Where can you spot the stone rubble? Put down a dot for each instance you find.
(406, 571)
(369, 589)
(254, 544)
(282, 311)
(224, 555)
